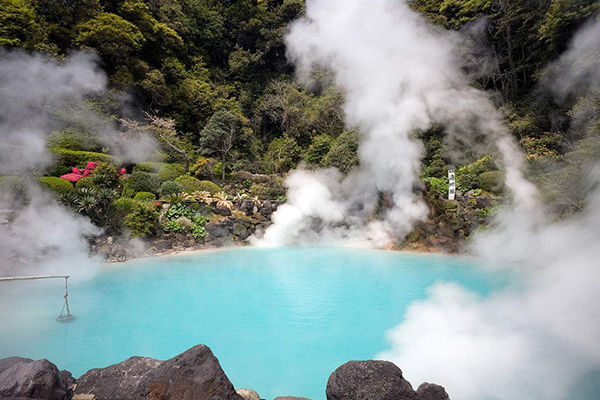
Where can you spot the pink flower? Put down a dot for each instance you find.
(76, 170)
(86, 172)
(91, 165)
(122, 171)
(72, 177)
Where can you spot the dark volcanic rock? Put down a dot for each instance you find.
(28, 379)
(128, 374)
(240, 231)
(247, 207)
(431, 391)
(373, 380)
(216, 230)
(195, 374)
(225, 211)
(267, 209)
(290, 398)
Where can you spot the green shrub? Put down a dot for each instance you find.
(170, 187)
(144, 167)
(198, 230)
(191, 185)
(85, 182)
(492, 181)
(165, 171)
(57, 185)
(466, 181)
(143, 182)
(344, 152)
(144, 196)
(169, 172)
(179, 210)
(270, 190)
(174, 226)
(282, 155)
(142, 221)
(439, 185)
(119, 208)
(106, 176)
(65, 160)
(72, 139)
(320, 146)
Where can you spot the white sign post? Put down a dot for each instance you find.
(451, 183)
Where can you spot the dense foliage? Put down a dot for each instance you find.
(212, 79)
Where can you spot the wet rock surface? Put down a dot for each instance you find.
(431, 391)
(248, 394)
(40, 379)
(195, 374)
(373, 380)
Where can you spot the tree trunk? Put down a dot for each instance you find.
(223, 168)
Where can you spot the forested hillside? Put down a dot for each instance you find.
(211, 78)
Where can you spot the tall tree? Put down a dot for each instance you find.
(219, 135)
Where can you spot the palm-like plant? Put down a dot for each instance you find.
(175, 198)
(203, 197)
(240, 197)
(256, 201)
(222, 200)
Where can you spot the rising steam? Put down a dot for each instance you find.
(535, 341)
(399, 75)
(44, 237)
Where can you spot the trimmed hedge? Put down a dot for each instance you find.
(57, 185)
(191, 185)
(165, 171)
(144, 196)
(65, 160)
(170, 187)
(143, 182)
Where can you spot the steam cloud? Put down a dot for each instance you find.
(45, 237)
(538, 340)
(399, 75)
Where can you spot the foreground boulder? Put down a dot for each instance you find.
(195, 374)
(248, 394)
(431, 391)
(29, 379)
(373, 380)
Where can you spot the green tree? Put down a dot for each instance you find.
(282, 155)
(114, 38)
(219, 136)
(20, 26)
(344, 152)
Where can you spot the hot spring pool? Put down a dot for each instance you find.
(279, 320)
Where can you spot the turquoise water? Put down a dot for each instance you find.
(279, 320)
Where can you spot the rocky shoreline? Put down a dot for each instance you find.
(193, 375)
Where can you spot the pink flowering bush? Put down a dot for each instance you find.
(73, 177)
(79, 173)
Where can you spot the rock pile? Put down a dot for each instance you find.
(193, 375)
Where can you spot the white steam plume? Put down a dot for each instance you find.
(43, 237)
(399, 75)
(577, 69)
(538, 340)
